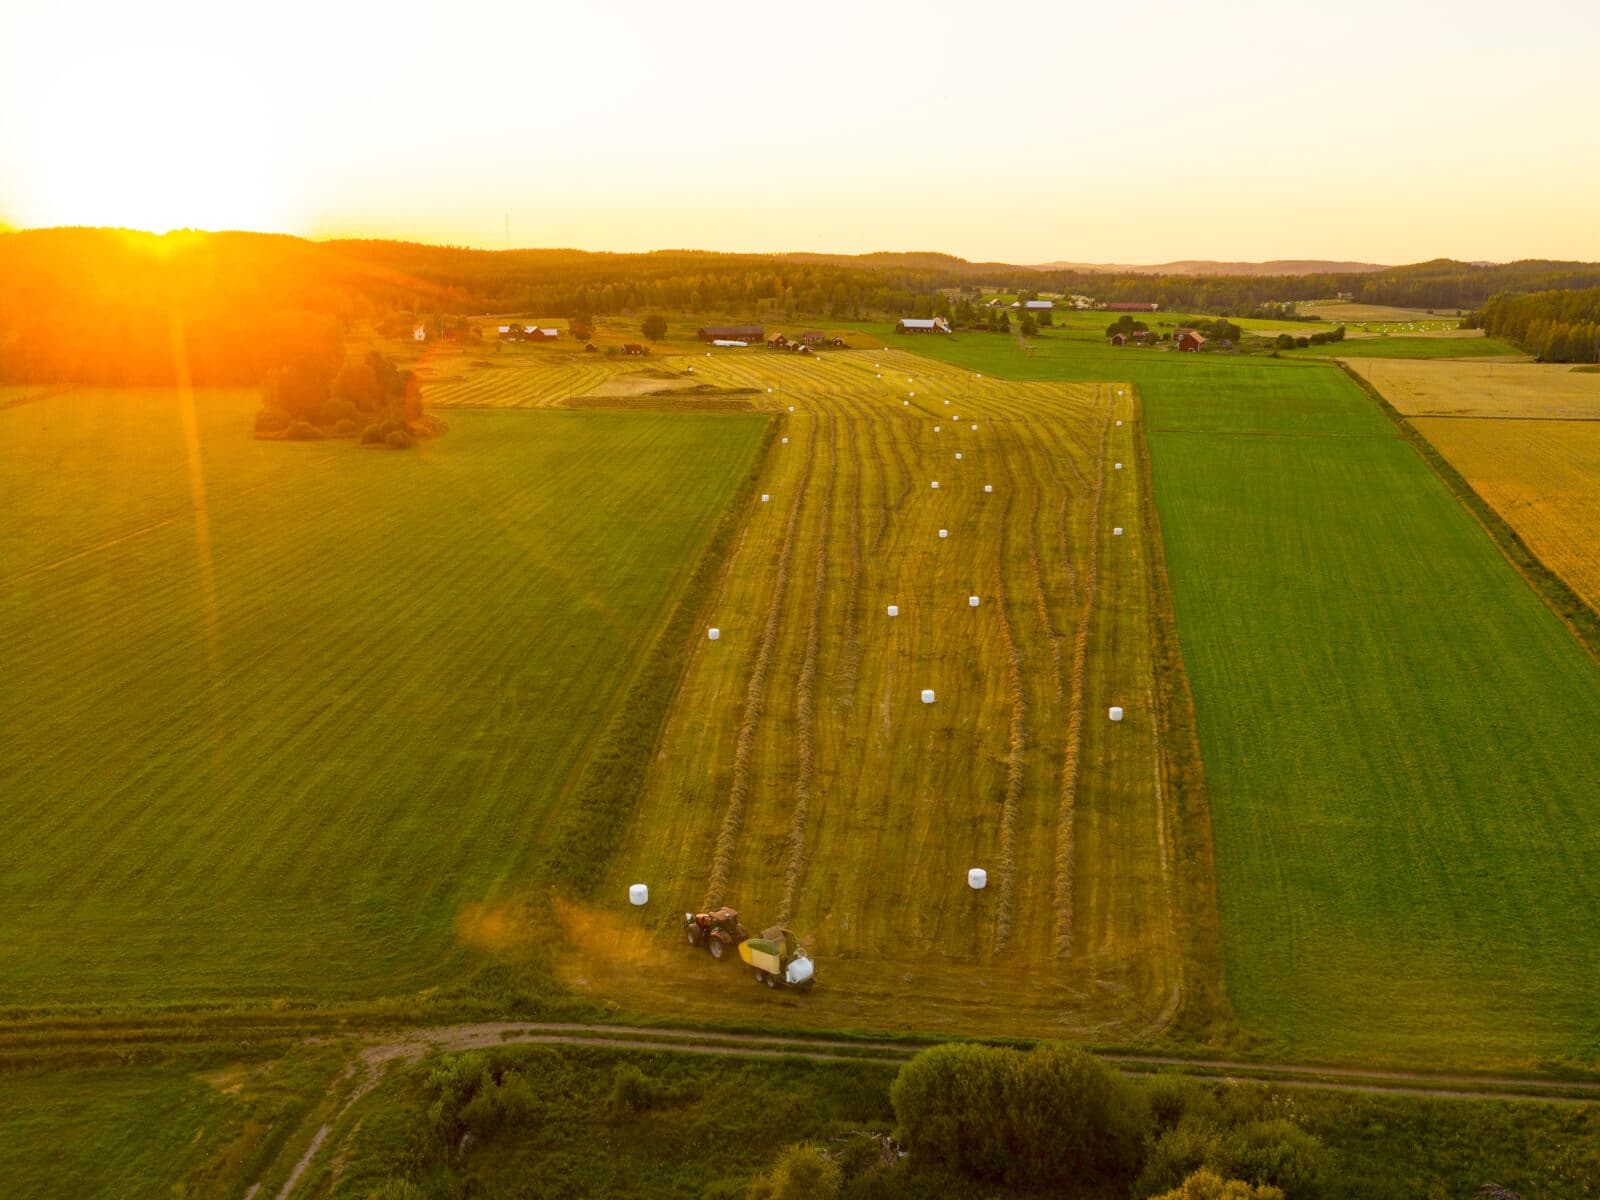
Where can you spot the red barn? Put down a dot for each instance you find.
(1188, 339)
(1122, 306)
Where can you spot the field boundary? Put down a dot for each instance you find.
(1573, 610)
(1203, 1004)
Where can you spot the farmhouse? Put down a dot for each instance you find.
(1123, 306)
(731, 333)
(1188, 339)
(633, 348)
(1119, 339)
(811, 337)
(917, 325)
(778, 342)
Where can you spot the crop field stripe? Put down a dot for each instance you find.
(1066, 833)
(755, 695)
(805, 690)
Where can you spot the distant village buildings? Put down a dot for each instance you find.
(527, 333)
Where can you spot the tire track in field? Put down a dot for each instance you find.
(850, 663)
(1041, 605)
(805, 694)
(1017, 738)
(755, 695)
(1066, 811)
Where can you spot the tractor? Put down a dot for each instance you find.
(778, 958)
(716, 930)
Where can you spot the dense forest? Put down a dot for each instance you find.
(1555, 326)
(115, 307)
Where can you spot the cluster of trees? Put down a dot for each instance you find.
(1555, 326)
(1056, 1119)
(312, 396)
(1289, 341)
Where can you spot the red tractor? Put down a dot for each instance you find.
(718, 931)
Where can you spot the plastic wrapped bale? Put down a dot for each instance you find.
(1119, 466)
(1119, 423)
(638, 894)
(765, 497)
(1116, 712)
(936, 485)
(791, 408)
(988, 487)
(927, 695)
(974, 429)
(936, 429)
(894, 610)
(977, 879)
(713, 634)
(973, 601)
(1117, 532)
(785, 441)
(958, 456)
(944, 533)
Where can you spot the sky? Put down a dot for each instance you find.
(1021, 132)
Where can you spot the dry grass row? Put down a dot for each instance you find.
(755, 696)
(1066, 816)
(805, 694)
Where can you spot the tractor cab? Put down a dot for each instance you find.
(716, 930)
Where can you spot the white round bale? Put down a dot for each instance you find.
(974, 429)
(936, 485)
(785, 441)
(944, 533)
(958, 456)
(1119, 466)
(638, 894)
(765, 497)
(936, 429)
(1119, 422)
(988, 487)
(927, 695)
(894, 610)
(977, 879)
(713, 634)
(973, 601)
(1117, 532)
(1116, 712)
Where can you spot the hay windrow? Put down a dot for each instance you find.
(744, 747)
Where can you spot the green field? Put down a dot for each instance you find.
(1398, 735)
(276, 713)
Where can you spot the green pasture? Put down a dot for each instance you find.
(1399, 737)
(275, 714)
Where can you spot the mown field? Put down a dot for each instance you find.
(275, 715)
(1521, 390)
(801, 778)
(1398, 735)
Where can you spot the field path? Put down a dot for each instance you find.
(375, 1055)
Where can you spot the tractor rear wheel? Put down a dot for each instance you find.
(695, 935)
(715, 946)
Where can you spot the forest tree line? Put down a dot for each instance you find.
(1557, 326)
(114, 307)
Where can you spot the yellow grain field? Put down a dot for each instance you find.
(801, 778)
(1465, 388)
(1543, 477)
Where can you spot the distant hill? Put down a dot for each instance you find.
(1204, 266)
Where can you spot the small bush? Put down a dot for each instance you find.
(1206, 1184)
(372, 435)
(802, 1172)
(301, 431)
(345, 428)
(399, 440)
